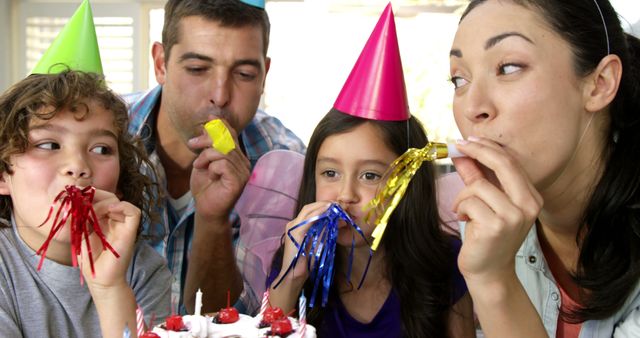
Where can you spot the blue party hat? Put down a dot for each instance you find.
(254, 3)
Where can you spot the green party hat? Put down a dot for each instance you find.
(75, 47)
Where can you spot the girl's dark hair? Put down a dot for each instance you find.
(609, 237)
(42, 96)
(419, 255)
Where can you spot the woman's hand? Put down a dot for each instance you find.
(499, 204)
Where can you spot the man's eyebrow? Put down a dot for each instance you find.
(192, 55)
(496, 39)
(241, 62)
(248, 62)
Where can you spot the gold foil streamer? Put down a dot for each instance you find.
(402, 171)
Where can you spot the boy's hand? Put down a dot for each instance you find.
(119, 221)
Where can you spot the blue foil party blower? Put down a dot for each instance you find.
(321, 237)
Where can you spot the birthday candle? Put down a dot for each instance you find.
(302, 314)
(198, 306)
(139, 321)
(265, 301)
(302, 304)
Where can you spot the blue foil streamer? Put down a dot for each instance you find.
(321, 237)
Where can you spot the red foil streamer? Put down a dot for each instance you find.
(77, 208)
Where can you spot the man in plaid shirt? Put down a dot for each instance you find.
(211, 64)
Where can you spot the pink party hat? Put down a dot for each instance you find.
(375, 88)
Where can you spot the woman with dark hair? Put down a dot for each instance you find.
(546, 96)
(412, 287)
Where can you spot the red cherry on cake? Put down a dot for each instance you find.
(149, 334)
(271, 314)
(174, 323)
(228, 315)
(281, 327)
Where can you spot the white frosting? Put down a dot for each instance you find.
(245, 327)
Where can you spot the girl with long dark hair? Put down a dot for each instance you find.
(412, 287)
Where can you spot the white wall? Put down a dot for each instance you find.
(5, 43)
(629, 11)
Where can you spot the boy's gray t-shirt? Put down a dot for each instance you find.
(52, 303)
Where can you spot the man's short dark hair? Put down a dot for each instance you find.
(229, 13)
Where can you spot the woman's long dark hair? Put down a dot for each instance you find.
(609, 237)
(419, 255)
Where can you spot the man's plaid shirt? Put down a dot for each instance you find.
(172, 236)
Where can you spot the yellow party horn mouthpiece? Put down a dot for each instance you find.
(220, 136)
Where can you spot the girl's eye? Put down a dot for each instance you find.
(509, 68)
(48, 146)
(458, 81)
(369, 176)
(329, 173)
(102, 150)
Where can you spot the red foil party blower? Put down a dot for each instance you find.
(77, 208)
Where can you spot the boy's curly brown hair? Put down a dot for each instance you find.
(42, 96)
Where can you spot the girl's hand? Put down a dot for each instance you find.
(286, 294)
(300, 271)
(119, 222)
(499, 204)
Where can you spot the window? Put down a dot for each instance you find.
(115, 25)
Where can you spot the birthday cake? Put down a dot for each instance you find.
(244, 326)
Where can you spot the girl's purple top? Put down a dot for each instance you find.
(387, 323)
(339, 323)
